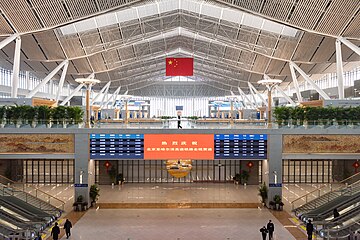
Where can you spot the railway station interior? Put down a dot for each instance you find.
(180, 119)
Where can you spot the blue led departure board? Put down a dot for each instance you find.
(240, 146)
(117, 146)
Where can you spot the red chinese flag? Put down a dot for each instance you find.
(179, 66)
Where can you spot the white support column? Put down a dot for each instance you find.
(99, 93)
(76, 90)
(253, 96)
(16, 68)
(45, 80)
(308, 79)
(104, 96)
(241, 92)
(285, 95)
(257, 93)
(296, 83)
(112, 97)
(8, 40)
(350, 45)
(61, 82)
(339, 69)
(27, 77)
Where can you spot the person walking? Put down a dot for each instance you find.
(271, 228)
(55, 231)
(264, 232)
(179, 122)
(67, 227)
(309, 229)
(336, 213)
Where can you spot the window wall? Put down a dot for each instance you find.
(48, 171)
(307, 171)
(150, 171)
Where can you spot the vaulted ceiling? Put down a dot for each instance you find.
(232, 41)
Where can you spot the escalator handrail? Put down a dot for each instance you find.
(36, 190)
(319, 189)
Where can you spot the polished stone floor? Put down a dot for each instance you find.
(176, 224)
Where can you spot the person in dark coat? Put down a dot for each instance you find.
(336, 213)
(309, 229)
(271, 228)
(264, 232)
(55, 231)
(67, 227)
(179, 122)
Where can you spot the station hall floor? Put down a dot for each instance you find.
(130, 218)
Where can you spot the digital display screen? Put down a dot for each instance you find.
(117, 146)
(240, 146)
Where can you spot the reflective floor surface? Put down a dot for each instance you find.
(176, 224)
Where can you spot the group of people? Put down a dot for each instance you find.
(270, 228)
(55, 232)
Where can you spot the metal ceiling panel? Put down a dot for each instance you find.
(5, 28)
(50, 45)
(353, 29)
(82, 65)
(260, 63)
(71, 68)
(337, 15)
(285, 48)
(320, 68)
(307, 47)
(21, 16)
(308, 12)
(51, 12)
(77, 9)
(323, 53)
(275, 67)
(92, 42)
(31, 48)
(252, 5)
(72, 46)
(278, 9)
(97, 62)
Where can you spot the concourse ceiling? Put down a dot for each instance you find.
(232, 41)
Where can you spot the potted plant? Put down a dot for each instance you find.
(59, 115)
(263, 193)
(80, 205)
(94, 193)
(75, 115)
(2, 116)
(43, 115)
(29, 115)
(277, 200)
(237, 178)
(245, 176)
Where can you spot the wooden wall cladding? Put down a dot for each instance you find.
(321, 144)
(36, 143)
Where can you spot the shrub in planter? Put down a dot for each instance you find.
(75, 114)
(263, 193)
(43, 114)
(237, 177)
(245, 176)
(277, 200)
(59, 114)
(2, 114)
(94, 193)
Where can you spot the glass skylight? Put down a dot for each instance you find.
(196, 6)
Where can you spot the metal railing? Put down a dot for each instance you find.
(39, 194)
(317, 192)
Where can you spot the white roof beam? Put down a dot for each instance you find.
(45, 80)
(99, 93)
(16, 68)
(8, 40)
(257, 93)
(350, 45)
(309, 80)
(61, 82)
(296, 83)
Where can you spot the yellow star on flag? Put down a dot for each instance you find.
(170, 62)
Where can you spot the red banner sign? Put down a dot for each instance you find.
(179, 146)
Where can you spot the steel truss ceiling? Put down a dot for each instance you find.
(228, 51)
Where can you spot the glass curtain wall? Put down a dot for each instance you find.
(150, 171)
(48, 171)
(307, 171)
